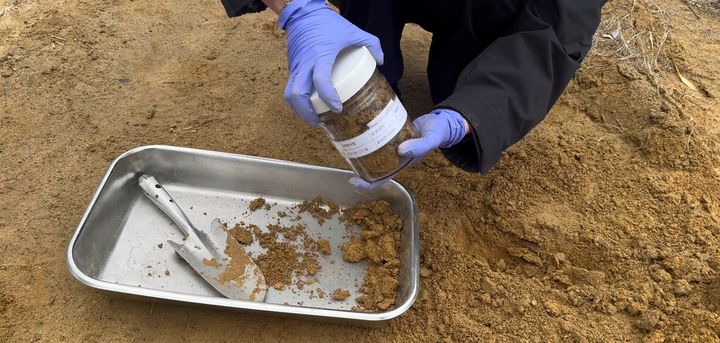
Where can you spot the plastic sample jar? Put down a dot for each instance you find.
(373, 121)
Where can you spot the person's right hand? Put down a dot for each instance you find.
(441, 128)
(316, 34)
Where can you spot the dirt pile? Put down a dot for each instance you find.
(256, 204)
(378, 243)
(290, 252)
(291, 257)
(320, 209)
(243, 234)
(340, 294)
(279, 264)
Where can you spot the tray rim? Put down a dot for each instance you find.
(225, 303)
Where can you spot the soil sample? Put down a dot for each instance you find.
(324, 246)
(373, 122)
(256, 204)
(242, 234)
(358, 117)
(320, 209)
(278, 264)
(211, 262)
(291, 251)
(378, 244)
(340, 294)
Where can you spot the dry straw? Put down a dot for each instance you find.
(705, 4)
(637, 35)
(10, 6)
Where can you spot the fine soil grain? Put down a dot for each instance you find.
(243, 233)
(279, 263)
(257, 204)
(290, 252)
(324, 246)
(320, 209)
(340, 294)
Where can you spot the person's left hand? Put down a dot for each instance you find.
(441, 128)
(316, 35)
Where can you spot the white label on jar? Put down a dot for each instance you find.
(380, 131)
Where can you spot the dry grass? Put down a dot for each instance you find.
(708, 6)
(705, 4)
(637, 35)
(9, 6)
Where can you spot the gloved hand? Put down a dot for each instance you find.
(441, 128)
(316, 34)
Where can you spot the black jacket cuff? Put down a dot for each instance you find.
(468, 154)
(235, 8)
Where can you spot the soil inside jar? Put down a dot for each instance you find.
(358, 112)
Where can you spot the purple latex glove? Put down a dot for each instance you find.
(316, 34)
(441, 128)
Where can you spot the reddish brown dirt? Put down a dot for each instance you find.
(320, 209)
(340, 294)
(256, 204)
(243, 234)
(602, 225)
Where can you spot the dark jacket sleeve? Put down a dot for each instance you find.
(510, 87)
(236, 8)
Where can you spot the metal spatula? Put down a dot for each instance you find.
(219, 259)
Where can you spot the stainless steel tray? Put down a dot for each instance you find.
(116, 246)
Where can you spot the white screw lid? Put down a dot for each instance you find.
(352, 69)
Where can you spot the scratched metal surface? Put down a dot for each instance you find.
(120, 246)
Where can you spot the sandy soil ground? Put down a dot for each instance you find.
(602, 225)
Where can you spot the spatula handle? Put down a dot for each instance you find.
(157, 194)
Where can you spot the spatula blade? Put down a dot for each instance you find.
(219, 259)
(235, 277)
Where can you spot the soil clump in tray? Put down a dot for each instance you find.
(291, 253)
(378, 243)
(242, 233)
(256, 204)
(340, 294)
(320, 209)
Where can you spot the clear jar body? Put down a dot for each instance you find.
(369, 130)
